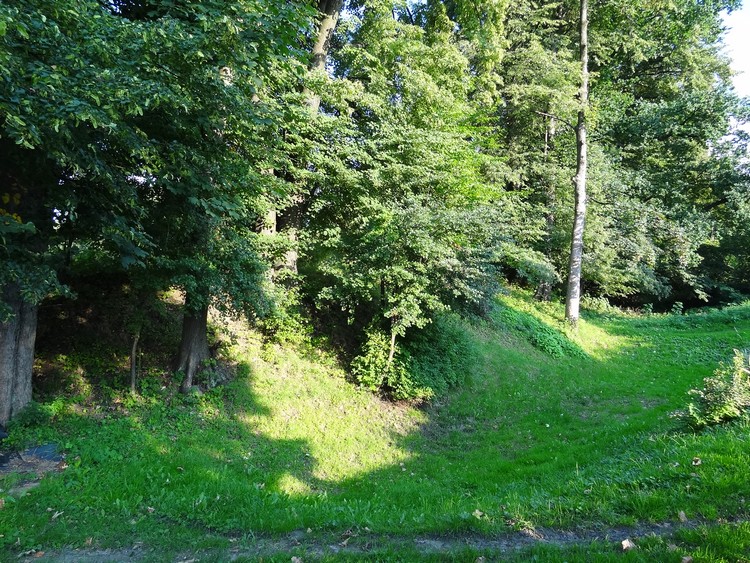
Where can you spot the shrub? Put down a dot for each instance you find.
(372, 370)
(442, 354)
(38, 414)
(431, 361)
(598, 305)
(725, 395)
(284, 320)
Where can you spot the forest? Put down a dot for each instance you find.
(371, 180)
(368, 165)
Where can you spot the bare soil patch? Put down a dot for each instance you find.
(31, 465)
(303, 544)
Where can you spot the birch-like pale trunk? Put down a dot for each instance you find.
(573, 296)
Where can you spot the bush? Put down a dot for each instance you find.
(442, 355)
(284, 320)
(372, 370)
(431, 361)
(598, 305)
(37, 414)
(725, 395)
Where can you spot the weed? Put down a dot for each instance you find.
(725, 395)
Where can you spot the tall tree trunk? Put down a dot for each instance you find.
(392, 351)
(193, 344)
(134, 362)
(573, 297)
(330, 11)
(290, 220)
(17, 338)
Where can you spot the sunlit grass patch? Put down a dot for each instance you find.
(347, 431)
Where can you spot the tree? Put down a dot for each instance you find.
(67, 155)
(214, 142)
(329, 10)
(662, 106)
(289, 219)
(402, 224)
(120, 116)
(573, 295)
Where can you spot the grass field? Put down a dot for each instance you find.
(541, 454)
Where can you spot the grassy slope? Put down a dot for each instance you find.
(529, 442)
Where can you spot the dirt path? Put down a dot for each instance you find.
(299, 544)
(36, 462)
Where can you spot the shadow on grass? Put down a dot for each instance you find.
(531, 441)
(185, 467)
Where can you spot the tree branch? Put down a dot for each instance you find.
(553, 116)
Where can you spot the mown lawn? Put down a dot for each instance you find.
(581, 441)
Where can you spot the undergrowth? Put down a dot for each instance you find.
(539, 334)
(430, 362)
(725, 395)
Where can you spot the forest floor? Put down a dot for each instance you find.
(559, 447)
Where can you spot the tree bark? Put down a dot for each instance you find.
(392, 351)
(193, 344)
(573, 296)
(134, 362)
(17, 338)
(544, 289)
(330, 11)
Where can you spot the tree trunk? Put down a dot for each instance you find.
(17, 337)
(544, 289)
(330, 11)
(134, 362)
(290, 220)
(193, 344)
(392, 351)
(573, 297)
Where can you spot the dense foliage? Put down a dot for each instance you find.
(195, 145)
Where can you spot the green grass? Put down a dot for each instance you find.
(581, 440)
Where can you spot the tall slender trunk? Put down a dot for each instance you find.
(392, 351)
(134, 362)
(194, 342)
(573, 297)
(17, 338)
